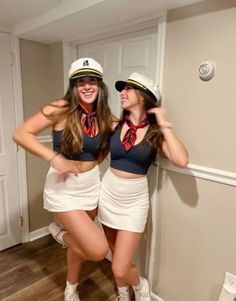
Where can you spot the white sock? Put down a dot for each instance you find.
(137, 287)
(60, 235)
(123, 290)
(72, 285)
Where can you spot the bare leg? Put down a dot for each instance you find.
(74, 262)
(83, 236)
(123, 245)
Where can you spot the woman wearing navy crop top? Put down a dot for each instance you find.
(124, 198)
(81, 124)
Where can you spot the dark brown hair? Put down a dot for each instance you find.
(72, 137)
(154, 135)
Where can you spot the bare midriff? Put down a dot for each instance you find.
(125, 174)
(84, 166)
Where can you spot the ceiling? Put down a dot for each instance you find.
(50, 21)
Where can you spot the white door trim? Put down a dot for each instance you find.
(152, 237)
(19, 117)
(161, 52)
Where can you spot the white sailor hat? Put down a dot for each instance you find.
(140, 82)
(85, 67)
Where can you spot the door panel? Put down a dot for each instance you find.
(122, 56)
(10, 229)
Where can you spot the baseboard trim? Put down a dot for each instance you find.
(38, 233)
(203, 172)
(154, 297)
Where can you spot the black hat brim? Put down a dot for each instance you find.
(84, 73)
(120, 85)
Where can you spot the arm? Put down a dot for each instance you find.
(25, 136)
(114, 121)
(172, 146)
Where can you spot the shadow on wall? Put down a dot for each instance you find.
(185, 186)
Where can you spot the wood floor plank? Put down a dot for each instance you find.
(37, 271)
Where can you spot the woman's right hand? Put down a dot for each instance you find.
(64, 167)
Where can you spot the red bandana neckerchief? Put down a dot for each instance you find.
(130, 136)
(88, 121)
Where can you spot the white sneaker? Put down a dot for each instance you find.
(123, 298)
(71, 294)
(143, 293)
(57, 232)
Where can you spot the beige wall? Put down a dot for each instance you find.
(42, 81)
(196, 241)
(206, 110)
(57, 76)
(196, 225)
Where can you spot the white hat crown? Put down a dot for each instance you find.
(85, 66)
(142, 82)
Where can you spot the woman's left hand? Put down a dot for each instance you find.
(161, 116)
(171, 146)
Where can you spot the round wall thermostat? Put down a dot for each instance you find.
(207, 70)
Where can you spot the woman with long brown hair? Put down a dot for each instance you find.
(124, 199)
(81, 125)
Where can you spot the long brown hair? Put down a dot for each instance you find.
(72, 136)
(153, 136)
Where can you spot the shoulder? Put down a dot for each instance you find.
(56, 111)
(115, 121)
(114, 118)
(57, 106)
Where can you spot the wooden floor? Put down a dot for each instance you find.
(37, 271)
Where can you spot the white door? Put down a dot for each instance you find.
(10, 227)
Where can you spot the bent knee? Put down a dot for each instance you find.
(119, 270)
(99, 253)
(96, 254)
(99, 250)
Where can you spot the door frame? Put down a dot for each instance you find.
(69, 54)
(21, 157)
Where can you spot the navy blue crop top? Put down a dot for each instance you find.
(90, 148)
(137, 160)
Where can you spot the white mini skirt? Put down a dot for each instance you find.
(76, 193)
(123, 203)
